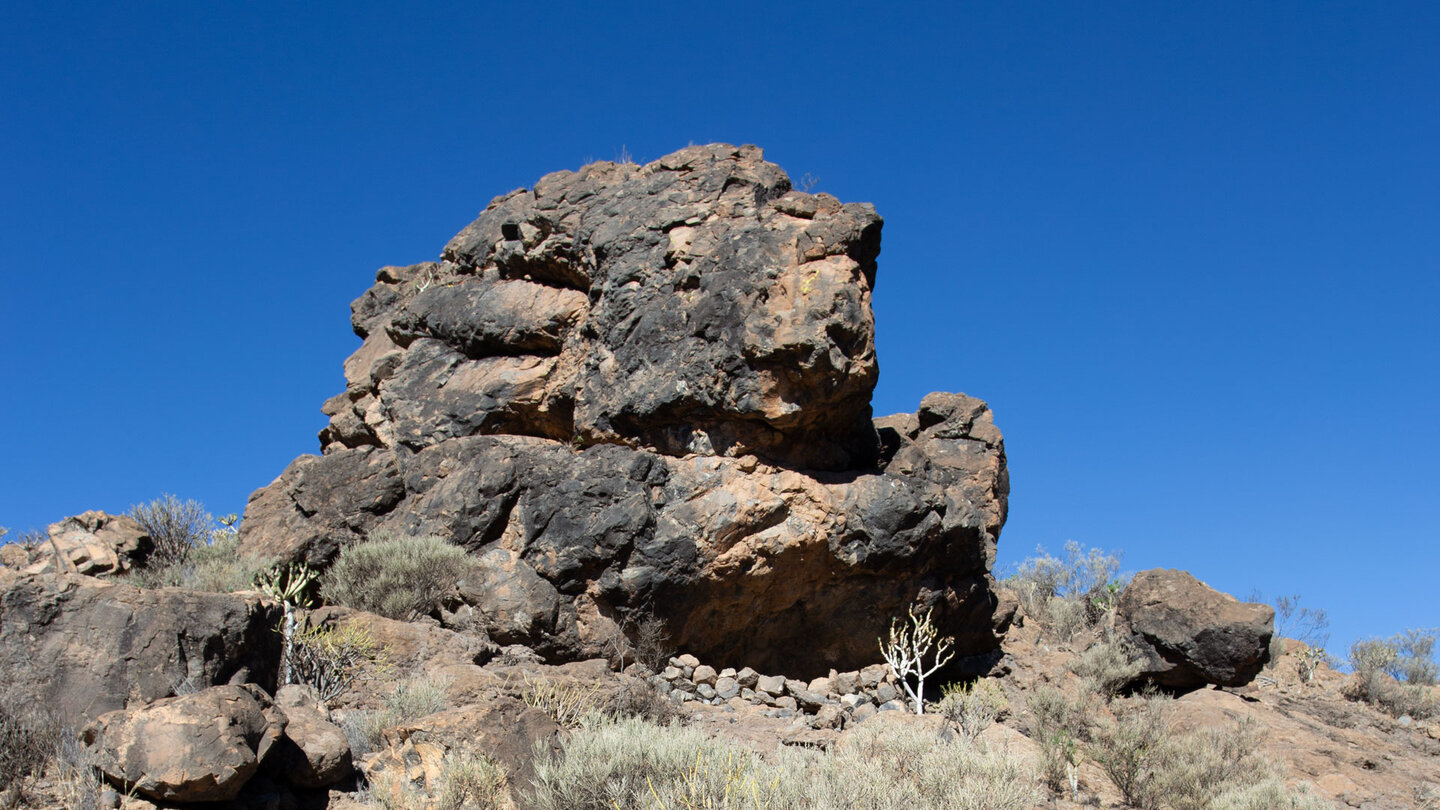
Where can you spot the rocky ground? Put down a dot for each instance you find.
(293, 750)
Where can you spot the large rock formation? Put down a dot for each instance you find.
(637, 389)
(84, 646)
(1189, 634)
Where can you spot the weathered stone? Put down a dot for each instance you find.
(647, 389)
(727, 688)
(846, 683)
(1192, 635)
(670, 674)
(808, 700)
(873, 675)
(86, 646)
(200, 747)
(704, 674)
(92, 543)
(829, 716)
(688, 661)
(317, 754)
(503, 729)
(705, 691)
(747, 678)
(863, 712)
(823, 686)
(851, 701)
(885, 693)
(787, 702)
(728, 672)
(770, 684)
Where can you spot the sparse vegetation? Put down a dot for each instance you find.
(1309, 626)
(411, 699)
(570, 704)
(1106, 668)
(401, 578)
(1132, 749)
(973, 707)
(633, 765)
(1059, 728)
(27, 741)
(198, 555)
(465, 780)
(329, 659)
(1066, 596)
(175, 526)
(1395, 675)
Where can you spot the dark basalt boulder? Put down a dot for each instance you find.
(1189, 634)
(646, 389)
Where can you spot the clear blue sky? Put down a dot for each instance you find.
(1190, 253)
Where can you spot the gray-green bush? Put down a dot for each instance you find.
(1106, 667)
(1396, 674)
(633, 765)
(1065, 596)
(413, 698)
(400, 578)
(175, 526)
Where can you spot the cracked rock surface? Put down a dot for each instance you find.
(637, 390)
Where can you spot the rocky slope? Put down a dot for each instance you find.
(645, 390)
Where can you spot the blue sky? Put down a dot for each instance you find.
(1188, 252)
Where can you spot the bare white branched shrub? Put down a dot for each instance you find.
(908, 648)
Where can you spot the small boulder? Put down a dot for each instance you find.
(201, 747)
(1190, 634)
(317, 755)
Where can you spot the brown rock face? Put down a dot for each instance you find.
(647, 388)
(92, 543)
(196, 748)
(85, 646)
(1191, 634)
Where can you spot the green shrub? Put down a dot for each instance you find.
(973, 707)
(329, 659)
(400, 578)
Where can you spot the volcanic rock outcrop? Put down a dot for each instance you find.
(645, 390)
